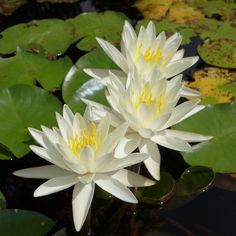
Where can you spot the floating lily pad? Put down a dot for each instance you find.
(195, 179)
(184, 13)
(74, 87)
(219, 153)
(171, 28)
(3, 203)
(221, 52)
(61, 232)
(24, 106)
(24, 223)
(107, 25)
(158, 193)
(52, 36)
(27, 68)
(7, 7)
(216, 85)
(153, 9)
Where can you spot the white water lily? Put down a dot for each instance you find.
(146, 52)
(150, 107)
(82, 154)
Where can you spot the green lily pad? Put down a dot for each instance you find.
(24, 106)
(52, 36)
(171, 28)
(213, 29)
(74, 87)
(219, 153)
(221, 52)
(7, 7)
(158, 193)
(195, 179)
(3, 203)
(27, 68)
(107, 25)
(61, 232)
(24, 223)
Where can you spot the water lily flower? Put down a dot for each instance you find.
(146, 52)
(82, 154)
(150, 107)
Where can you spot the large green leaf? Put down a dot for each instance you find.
(221, 52)
(158, 193)
(107, 25)
(27, 68)
(195, 179)
(24, 106)
(74, 87)
(219, 153)
(52, 36)
(24, 223)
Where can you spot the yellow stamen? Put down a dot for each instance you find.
(91, 138)
(152, 56)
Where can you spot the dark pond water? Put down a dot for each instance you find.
(212, 213)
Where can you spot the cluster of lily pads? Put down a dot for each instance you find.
(139, 104)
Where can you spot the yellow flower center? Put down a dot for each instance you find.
(152, 56)
(146, 96)
(87, 138)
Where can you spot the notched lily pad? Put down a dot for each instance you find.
(27, 68)
(107, 25)
(221, 52)
(194, 180)
(24, 223)
(51, 36)
(215, 85)
(218, 153)
(24, 106)
(158, 193)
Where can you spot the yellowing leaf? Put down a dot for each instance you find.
(184, 13)
(153, 9)
(216, 85)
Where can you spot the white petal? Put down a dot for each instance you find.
(114, 54)
(68, 114)
(127, 145)
(172, 142)
(37, 135)
(82, 199)
(188, 92)
(132, 179)
(178, 55)
(154, 161)
(64, 127)
(177, 67)
(115, 188)
(42, 172)
(188, 136)
(55, 185)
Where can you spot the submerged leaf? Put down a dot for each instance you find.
(195, 179)
(221, 52)
(27, 68)
(25, 106)
(215, 85)
(219, 153)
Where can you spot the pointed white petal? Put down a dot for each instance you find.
(127, 145)
(68, 114)
(178, 66)
(172, 142)
(188, 136)
(42, 172)
(55, 185)
(64, 126)
(115, 188)
(178, 55)
(37, 135)
(188, 92)
(114, 54)
(132, 179)
(82, 199)
(154, 161)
